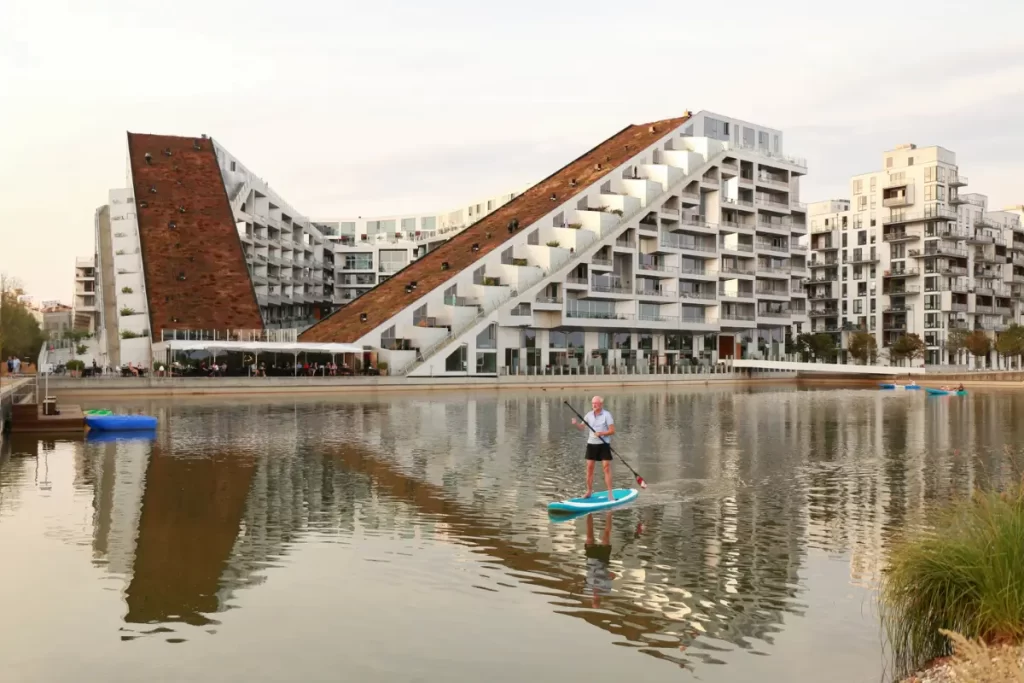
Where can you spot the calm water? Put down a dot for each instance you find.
(406, 538)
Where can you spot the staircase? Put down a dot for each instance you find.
(567, 262)
(241, 194)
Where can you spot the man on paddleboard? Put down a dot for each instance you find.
(598, 444)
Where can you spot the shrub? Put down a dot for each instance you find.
(119, 252)
(127, 310)
(81, 349)
(72, 365)
(127, 290)
(382, 366)
(553, 243)
(128, 334)
(617, 212)
(575, 226)
(967, 576)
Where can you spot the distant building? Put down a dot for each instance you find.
(85, 314)
(54, 318)
(912, 253)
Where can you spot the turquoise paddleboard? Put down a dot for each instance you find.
(598, 501)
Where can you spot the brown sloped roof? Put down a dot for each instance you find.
(217, 292)
(388, 298)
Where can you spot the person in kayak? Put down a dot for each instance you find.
(598, 443)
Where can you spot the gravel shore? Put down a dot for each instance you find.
(988, 665)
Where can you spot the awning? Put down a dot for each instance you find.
(261, 347)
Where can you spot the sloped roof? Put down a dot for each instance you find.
(217, 292)
(490, 233)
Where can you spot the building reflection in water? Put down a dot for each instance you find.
(745, 484)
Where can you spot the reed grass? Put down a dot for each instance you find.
(965, 576)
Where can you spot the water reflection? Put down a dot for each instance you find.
(712, 560)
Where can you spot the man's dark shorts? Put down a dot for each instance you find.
(599, 451)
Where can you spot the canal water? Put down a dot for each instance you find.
(406, 537)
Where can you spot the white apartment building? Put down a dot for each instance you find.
(679, 246)
(85, 314)
(290, 262)
(912, 254)
(367, 251)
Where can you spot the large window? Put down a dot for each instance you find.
(529, 339)
(456, 361)
(622, 340)
(487, 363)
(358, 262)
(488, 338)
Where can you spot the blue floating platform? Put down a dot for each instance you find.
(120, 423)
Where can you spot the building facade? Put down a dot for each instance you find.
(911, 253)
(671, 243)
(85, 314)
(367, 251)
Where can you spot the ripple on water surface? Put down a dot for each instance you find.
(408, 536)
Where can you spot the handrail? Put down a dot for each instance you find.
(551, 271)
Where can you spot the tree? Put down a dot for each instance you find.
(978, 344)
(19, 331)
(1010, 342)
(907, 347)
(818, 346)
(863, 347)
(956, 341)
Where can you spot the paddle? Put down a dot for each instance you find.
(639, 479)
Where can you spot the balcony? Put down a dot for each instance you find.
(798, 247)
(833, 262)
(657, 268)
(907, 290)
(823, 296)
(939, 249)
(763, 245)
(613, 288)
(823, 278)
(599, 262)
(698, 295)
(625, 243)
(866, 258)
(642, 291)
(774, 314)
(678, 242)
(897, 309)
(949, 233)
(823, 313)
(735, 270)
(892, 326)
(773, 291)
(957, 181)
(900, 236)
(931, 214)
(979, 238)
(735, 293)
(733, 225)
(904, 272)
(797, 206)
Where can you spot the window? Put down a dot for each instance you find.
(428, 223)
(762, 140)
(645, 341)
(888, 162)
(487, 363)
(929, 173)
(858, 186)
(409, 224)
(776, 147)
(529, 339)
(862, 237)
(748, 137)
(844, 222)
(910, 161)
(858, 306)
(232, 167)
(862, 203)
(874, 181)
(456, 360)
(488, 337)
(622, 340)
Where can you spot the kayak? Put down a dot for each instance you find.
(943, 392)
(908, 387)
(120, 423)
(598, 501)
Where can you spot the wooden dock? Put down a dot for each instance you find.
(30, 418)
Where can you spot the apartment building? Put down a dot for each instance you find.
(670, 243)
(911, 253)
(368, 251)
(85, 314)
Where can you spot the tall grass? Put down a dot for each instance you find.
(967, 576)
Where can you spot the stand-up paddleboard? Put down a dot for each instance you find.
(597, 501)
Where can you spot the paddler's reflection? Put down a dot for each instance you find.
(599, 555)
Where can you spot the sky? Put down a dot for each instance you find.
(390, 107)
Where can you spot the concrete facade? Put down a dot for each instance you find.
(911, 253)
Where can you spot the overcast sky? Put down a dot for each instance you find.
(389, 107)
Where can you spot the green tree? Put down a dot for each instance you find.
(978, 344)
(863, 347)
(19, 332)
(820, 346)
(1010, 342)
(956, 341)
(907, 347)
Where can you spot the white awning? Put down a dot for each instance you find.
(261, 347)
